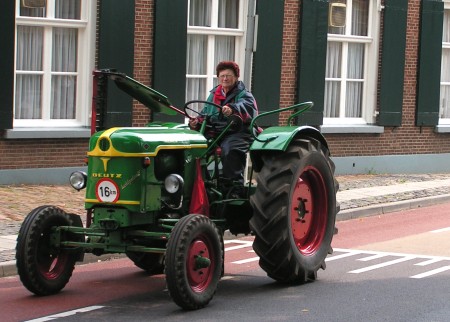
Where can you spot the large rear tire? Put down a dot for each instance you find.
(45, 269)
(295, 211)
(194, 258)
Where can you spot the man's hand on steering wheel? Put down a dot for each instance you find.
(227, 111)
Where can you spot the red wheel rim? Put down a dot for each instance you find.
(200, 264)
(51, 265)
(309, 211)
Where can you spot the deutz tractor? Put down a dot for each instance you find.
(157, 195)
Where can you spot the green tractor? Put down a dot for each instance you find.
(156, 194)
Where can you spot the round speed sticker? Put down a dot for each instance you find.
(107, 190)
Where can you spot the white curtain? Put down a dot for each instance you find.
(64, 59)
(200, 13)
(445, 86)
(196, 65)
(445, 69)
(68, 9)
(360, 15)
(228, 13)
(30, 69)
(355, 75)
(29, 72)
(197, 45)
(354, 78)
(224, 48)
(333, 87)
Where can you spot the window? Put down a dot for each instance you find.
(215, 33)
(350, 77)
(444, 111)
(54, 59)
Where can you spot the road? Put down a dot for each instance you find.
(394, 267)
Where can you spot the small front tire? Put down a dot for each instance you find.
(194, 259)
(45, 269)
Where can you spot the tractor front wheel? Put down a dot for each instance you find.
(193, 261)
(45, 268)
(294, 211)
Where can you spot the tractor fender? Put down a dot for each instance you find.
(278, 138)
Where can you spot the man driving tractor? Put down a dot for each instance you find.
(234, 98)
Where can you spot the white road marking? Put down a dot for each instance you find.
(432, 272)
(429, 262)
(348, 254)
(440, 230)
(389, 263)
(243, 244)
(369, 258)
(66, 314)
(371, 255)
(245, 261)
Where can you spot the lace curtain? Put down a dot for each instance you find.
(30, 66)
(341, 54)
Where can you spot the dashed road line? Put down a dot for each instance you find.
(66, 314)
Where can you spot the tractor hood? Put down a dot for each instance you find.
(152, 99)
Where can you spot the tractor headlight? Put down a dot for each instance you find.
(173, 183)
(78, 180)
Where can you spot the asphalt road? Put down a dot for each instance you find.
(394, 267)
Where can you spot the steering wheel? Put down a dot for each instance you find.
(191, 113)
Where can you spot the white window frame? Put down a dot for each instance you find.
(86, 26)
(444, 121)
(212, 32)
(371, 41)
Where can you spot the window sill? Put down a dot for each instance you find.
(442, 129)
(47, 133)
(346, 129)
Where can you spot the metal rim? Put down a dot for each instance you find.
(50, 264)
(200, 264)
(309, 209)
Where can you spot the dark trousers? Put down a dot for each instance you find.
(234, 148)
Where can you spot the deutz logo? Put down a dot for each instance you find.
(107, 175)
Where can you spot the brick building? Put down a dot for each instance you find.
(378, 72)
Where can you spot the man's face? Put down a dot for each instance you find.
(227, 78)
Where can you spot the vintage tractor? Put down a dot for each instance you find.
(156, 194)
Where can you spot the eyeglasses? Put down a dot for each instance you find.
(225, 76)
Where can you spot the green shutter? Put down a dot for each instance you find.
(312, 58)
(267, 58)
(7, 43)
(429, 68)
(116, 50)
(169, 69)
(393, 62)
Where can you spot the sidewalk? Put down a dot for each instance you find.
(359, 196)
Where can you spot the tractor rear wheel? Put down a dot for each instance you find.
(194, 258)
(295, 211)
(44, 268)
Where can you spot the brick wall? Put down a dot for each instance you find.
(42, 153)
(407, 139)
(143, 54)
(289, 56)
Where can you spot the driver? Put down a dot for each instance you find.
(232, 95)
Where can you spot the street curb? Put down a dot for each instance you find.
(381, 209)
